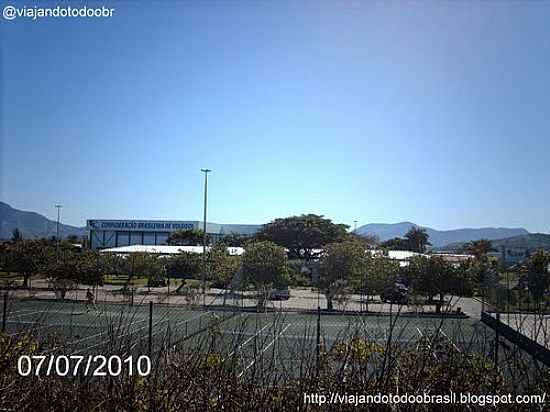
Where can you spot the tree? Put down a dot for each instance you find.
(478, 248)
(90, 269)
(379, 272)
(221, 266)
(189, 237)
(265, 265)
(433, 276)
(26, 257)
(63, 271)
(417, 239)
(397, 243)
(16, 235)
(341, 265)
(185, 265)
(302, 234)
(369, 241)
(147, 266)
(155, 273)
(235, 239)
(538, 276)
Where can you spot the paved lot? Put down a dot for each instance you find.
(300, 299)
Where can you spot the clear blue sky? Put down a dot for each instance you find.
(434, 112)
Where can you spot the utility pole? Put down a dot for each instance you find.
(205, 171)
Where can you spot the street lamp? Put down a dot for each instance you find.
(355, 226)
(58, 207)
(205, 171)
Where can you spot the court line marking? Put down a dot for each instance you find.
(19, 311)
(193, 318)
(117, 336)
(246, 342)
(31, 313)
(264, 349)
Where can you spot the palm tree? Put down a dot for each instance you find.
(16, 235)
(478, 248)
(417, 239)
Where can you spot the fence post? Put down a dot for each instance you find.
(5, 312)
(497, 338)
(318, 339)
(150, 327)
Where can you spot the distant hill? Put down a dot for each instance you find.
(531, 241)
(439, 238)
(32, 225)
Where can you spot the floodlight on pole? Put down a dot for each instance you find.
(205, 171)
(58, 207)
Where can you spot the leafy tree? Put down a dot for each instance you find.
(190, 237)
(147, 266)
(302, 234)
(221, 266)
(185, 265)
(472, 275)
(379, 272)
(478, 248)
(63, 269)
(433, 276)
(369, 241)
(26, 257)
(91, 269)
(417, 239)
(113, 263)
(16, 235)
(235, 240)
(341, 265)
(538, 276)
(264, 263)
(397, 243)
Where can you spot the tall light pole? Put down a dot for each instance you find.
(58, 207)
(205, 171)
(355, 226)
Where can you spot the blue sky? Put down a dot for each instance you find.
(433, 112)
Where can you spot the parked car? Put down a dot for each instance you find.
(395, 293)
(279, 294)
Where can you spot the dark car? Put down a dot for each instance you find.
(395, 293)
(279, 294)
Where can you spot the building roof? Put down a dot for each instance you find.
(166, 249)
(402, 254)
(454, 257)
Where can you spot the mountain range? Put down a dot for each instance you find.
(32, 225)
(532, 241)
(439, 238)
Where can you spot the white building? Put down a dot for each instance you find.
(166, 250)
(118, 233)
